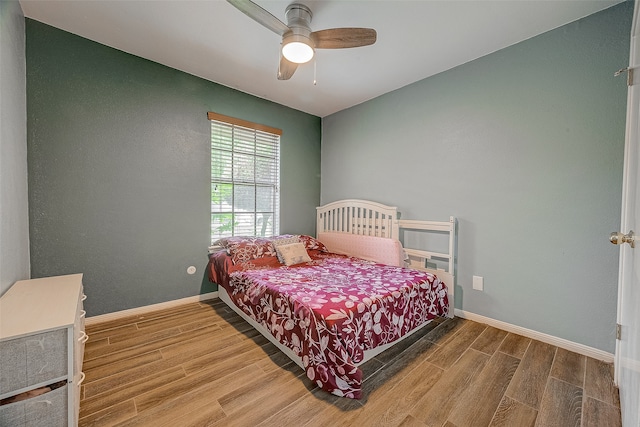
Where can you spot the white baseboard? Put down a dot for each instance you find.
(147, 308)
(549, 339)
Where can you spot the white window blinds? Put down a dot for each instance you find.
(245, 178)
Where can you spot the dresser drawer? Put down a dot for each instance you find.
(46, 410)
(31, 360)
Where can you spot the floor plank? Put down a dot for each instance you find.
(511, 413)
(130, 390)
(446, 330)
(411, 422)
(105, 333)
(204, 416)
(109, 356)
(561, 405)
(480, 400)
(600, 414)
(446, 355)
(340, 413)
(434, 407)
(490, 340)
(398, 368)
(111, 415)
(125, 377)
(515, 345)
(137, 339)
(405, 394)
(261, 402)
(569, 366)
(599, 382)
(530, 378)
(106, 370)
(176, 406)
(299, 412)
(133, 319)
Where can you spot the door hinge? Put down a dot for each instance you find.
(629, 72)
(618, 331)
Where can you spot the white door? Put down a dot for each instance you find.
(628, 347)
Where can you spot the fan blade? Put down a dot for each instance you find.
(286, 69)
(260, 15)
(339, 38)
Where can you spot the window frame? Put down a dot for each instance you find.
(262, 137)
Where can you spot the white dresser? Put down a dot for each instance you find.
(41, 349)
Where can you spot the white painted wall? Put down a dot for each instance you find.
(14, 215)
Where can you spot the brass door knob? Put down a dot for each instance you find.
(619, 238)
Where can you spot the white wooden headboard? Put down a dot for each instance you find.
(366, 218)
(361, 217)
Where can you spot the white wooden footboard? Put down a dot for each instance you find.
(419, 258)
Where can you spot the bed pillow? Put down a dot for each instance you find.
(285, 239)
(243, 249)
(312, 244)
(293, 253)
(371, 248)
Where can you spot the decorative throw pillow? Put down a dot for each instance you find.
(310, 243)
(223, 243)
(286, 239)
(243, 249)
(293, 253)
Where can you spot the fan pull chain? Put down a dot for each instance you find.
(315, 81)
(279, 59)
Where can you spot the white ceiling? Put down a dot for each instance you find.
(213, 40)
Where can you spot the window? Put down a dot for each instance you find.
(245, 178)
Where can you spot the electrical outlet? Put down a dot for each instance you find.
(478, 283)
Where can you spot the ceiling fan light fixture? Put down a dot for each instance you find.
(297, 48)
(298, 41)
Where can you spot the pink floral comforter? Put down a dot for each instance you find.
(332, 309)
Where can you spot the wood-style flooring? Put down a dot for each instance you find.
(200, 364)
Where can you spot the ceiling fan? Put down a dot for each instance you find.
(298, 41)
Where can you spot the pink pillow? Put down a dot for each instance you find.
(376, 249)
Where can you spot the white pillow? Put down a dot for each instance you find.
(281, 241)
(294, 253)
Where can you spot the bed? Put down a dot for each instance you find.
(333, 302)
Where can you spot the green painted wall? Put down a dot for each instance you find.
(14, 223)
(525, 147)
(119, 164)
